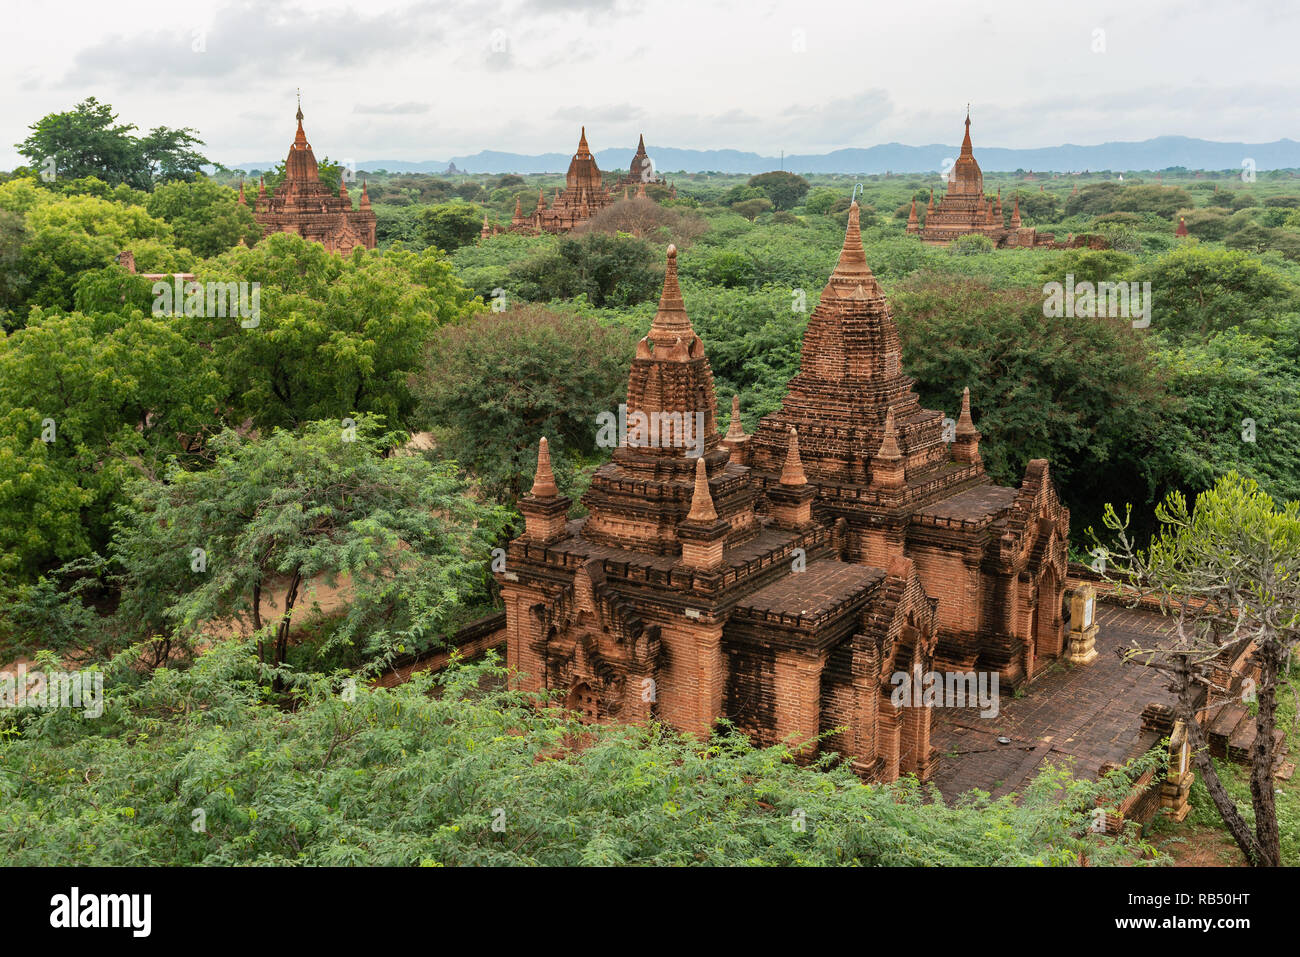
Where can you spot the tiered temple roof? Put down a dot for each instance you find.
(966, 210)
(584, 195)
(304, 205)
(783, 580)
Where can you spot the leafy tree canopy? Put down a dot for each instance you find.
(88, 141)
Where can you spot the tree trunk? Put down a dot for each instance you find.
(1200, 750)
(282, 629)
(1261, 758)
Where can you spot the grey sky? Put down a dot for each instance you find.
(396, 79)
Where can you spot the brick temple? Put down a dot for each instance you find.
(304, 205)
(584, 195)
(965, 209)
(641, 171)
(780, 580)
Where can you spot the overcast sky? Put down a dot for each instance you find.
(390, 79)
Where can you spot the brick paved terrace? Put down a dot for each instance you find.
(1087, 714)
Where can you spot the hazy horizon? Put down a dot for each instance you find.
(412, 82)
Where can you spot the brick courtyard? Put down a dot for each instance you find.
(1088, 714)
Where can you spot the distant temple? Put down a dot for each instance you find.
(786, 580)
(965, 210)
(584, 195)
(304, 205)
(641, 171)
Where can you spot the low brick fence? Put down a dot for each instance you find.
(470, 642)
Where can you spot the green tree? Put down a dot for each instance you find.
(451, 225)
(90, 402)
(752, 208)
(608, 270)
(1081, 393)
(494, 386)
(332, 506)
(75, 234)
(336, 335)
(206, 218)
(1198, 291)
(88, 141)
(785, 190)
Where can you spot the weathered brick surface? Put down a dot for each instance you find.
(783, 581)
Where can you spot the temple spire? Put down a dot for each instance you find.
(852, 271)
(365, 196)
(792, 471)
(965, 143)
(735, 429)
(242, 201)
(965, 424)
(582, 142)
(300, 138)
(702, 509)
(966, 444)
(671, 324)
(1015, 213)
(887, 467)
(544, 480)
(889, 444)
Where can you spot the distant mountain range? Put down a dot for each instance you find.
(1159, 153)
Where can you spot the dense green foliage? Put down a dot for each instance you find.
(493, 387)
(88, 141)
(199, 767)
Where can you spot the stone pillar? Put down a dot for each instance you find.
(1083, 627)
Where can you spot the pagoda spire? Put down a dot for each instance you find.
(544, 479)
(966, 446)
(966, 149)
(300, 138)
(735, 428)
(365, 196)
(887, 469)
(242, 201)
(702, 510)
(792, 497)
(541, 199)
(792, 471)
(1015, 213)
(544, 509)
(851, 273)
(913, 224)
(261, 185)
(582, 142)
(671, 324)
